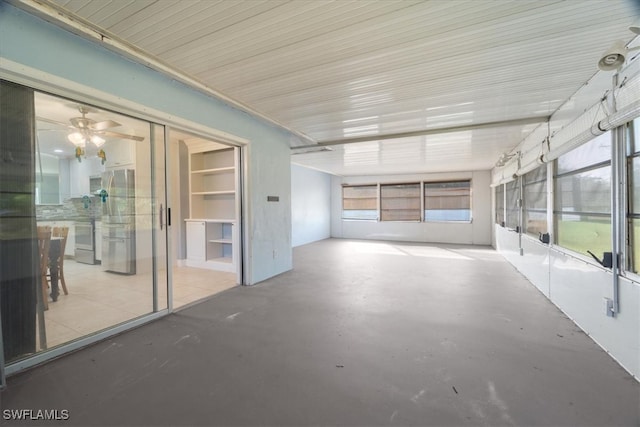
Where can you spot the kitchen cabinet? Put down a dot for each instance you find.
(80, 173)
(120, 154)
(98, 240)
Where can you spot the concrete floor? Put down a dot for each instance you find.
(359, 333)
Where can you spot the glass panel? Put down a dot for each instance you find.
(513, 211)
(582, 233)
(94, 251)
(536, 175)
(595, 151)
(535, 201)
(500, 204)
(360, 202)
(47, 179)
(400, 202)
(635, 186)
(447, 201)
(20, 265)
(578, 197)
(586, 192)
(635, 235)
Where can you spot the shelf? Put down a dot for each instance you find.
(212, 204)
(213, 171)
(212, 193)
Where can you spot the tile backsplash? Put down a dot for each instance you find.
(72, 209)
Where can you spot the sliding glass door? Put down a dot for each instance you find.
(83, 230)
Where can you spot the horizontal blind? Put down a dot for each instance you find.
(360, 202)
(447, 195)
(400, 202)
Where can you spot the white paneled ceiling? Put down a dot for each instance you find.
(334, 70)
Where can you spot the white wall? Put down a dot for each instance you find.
(310, 205)
(478, 232)
(51, 54)
(578, 287)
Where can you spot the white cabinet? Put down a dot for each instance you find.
(120, 153)
(196, 240)
(98, 240)
(80, 173)
(210, 244)
(211, 228)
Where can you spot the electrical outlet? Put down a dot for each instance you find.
(275, 254)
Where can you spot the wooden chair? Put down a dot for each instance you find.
(61, 233)
(44, 240)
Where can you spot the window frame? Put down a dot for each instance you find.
(631, 143)
(557, 208)
(381, 201)
(377, 202)
(448, 181)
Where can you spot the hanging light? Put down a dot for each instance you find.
(97, 140)
(77, 139)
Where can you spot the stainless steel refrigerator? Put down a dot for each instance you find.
(118, 221)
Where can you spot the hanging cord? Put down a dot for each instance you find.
(601, 106)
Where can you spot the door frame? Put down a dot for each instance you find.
(58, 86)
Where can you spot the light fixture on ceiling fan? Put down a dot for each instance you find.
(84, 130)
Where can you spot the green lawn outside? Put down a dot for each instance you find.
(596, 237)
(582, 236)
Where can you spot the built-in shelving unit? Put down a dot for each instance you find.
(211, 227)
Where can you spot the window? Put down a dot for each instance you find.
(447, 201)
(513, 208)
(633, 208)
(535, 201)
(500, 205)
(360, 202)
(400, 202)
(583, 197)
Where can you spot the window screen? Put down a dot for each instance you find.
(513, 210)
(535, 201)
(583, 197)
(500, 205)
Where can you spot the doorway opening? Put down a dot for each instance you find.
(205, 203)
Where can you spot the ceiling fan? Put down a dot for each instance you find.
(87, 129)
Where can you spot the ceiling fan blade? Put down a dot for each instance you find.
(112, 134)
(81, 122)
(106, 124)
(51, 121)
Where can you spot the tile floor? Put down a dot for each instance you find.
(99, 299)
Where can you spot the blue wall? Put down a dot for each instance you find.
(33, 42)
(310, 205)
